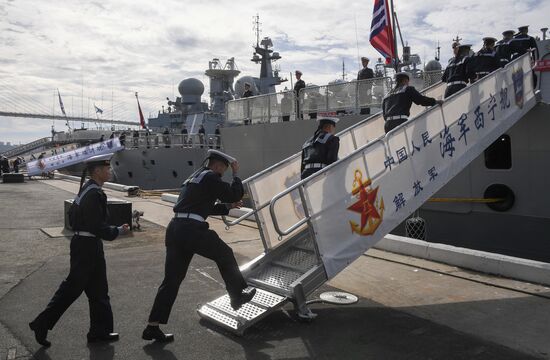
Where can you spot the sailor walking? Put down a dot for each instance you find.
(504, 48)
(322, 148)
(188, 234)
(459, 71)
(486, 60)
(524, 43)
(88, 217)
(397, 104)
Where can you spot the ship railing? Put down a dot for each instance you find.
(211, 141)
(345, 97)
(268, 108)
(432, 77)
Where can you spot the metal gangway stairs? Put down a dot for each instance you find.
(25, 148)
(314, 228)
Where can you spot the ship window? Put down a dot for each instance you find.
(499, 154)
(152, 162)
(174, 173)
(130, 175)
(190, 163)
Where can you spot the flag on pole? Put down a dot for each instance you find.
(381, 33)
(61, 103)
(141, 118)
(98, 110)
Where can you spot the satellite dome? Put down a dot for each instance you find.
(191, 87)
(433, 65)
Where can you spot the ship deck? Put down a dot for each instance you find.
(408, 308)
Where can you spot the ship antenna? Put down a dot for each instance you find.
(256, 28)
(438, 51)
(457, 39)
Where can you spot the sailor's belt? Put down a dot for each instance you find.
(189, 216)
(397, 117)
(315, 166)
(84, 233)
(457, 83)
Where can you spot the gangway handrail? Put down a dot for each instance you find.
(361, 149)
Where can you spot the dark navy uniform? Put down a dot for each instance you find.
(522, 44)
(504, 51)
(364, 74)
(300, 84)
(457, 74)
(319, 151)
(247, 93)
(188, 234)
(484, 62)
(397, 104)
(87, 272)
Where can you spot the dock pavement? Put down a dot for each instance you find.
(408, 308)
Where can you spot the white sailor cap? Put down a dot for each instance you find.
(99, 160)
(401, 74)
(218, 155)
(327, 117)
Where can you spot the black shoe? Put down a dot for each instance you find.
(242, 298)
(103, 338)
(40, 334)
(155, 333)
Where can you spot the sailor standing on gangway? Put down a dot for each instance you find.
(396, 106)
(322, 148)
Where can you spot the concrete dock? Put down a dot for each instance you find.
(408, 308)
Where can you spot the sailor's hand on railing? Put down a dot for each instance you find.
(235, 167)
(439, 102)
(236, 205)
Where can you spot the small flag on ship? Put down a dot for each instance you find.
(141, 118)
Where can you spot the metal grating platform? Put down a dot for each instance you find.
(276, 276)
(299, 258)
(220, 311)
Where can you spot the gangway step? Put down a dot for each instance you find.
(221, 313)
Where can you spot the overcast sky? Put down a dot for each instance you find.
(111, 49)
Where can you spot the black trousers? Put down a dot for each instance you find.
(450, 90)
(392, 124)
(87, 274)
(185, 238)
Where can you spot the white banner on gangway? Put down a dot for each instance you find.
(69, 158)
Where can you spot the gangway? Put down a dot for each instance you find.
(314, 228)
(22, 149)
